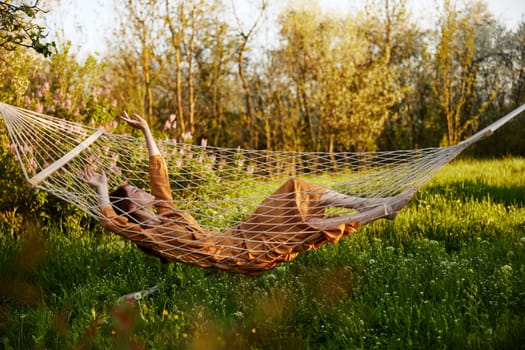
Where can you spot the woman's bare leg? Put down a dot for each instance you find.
(362, 218)
(388, 209)
(336, 199)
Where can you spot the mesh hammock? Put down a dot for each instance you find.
(214, 189)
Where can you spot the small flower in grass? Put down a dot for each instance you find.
(506, 269)
(165, 313)
(254, 330)
(113, 332)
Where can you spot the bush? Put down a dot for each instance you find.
(20, 203)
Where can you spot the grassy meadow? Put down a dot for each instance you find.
(448, 273)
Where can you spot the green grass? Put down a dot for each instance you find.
(448, 273)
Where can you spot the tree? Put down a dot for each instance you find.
(176, 38)
(245, 37)
(503, 76)
(299, 56)
(133, 62)
(194, 61)
(17, 27)
(457, 67)
(344, 86)
(220, 94)
(392, 31)
(517, 51)
(18, 70)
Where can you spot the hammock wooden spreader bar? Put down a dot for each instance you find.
(44, 174)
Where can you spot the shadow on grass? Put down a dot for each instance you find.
(479, 190)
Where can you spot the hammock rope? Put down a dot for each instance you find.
(219, 187)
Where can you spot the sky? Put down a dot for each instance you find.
(88, 24)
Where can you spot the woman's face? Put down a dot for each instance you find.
(140, 197)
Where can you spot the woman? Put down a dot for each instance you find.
(290, 221)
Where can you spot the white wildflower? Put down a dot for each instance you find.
(506, 269)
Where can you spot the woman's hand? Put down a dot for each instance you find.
(135, 121)
(100, 182)
(95, 179)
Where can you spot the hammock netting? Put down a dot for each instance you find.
(219, 187)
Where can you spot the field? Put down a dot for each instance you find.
(448, 273)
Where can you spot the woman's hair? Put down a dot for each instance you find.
(122, 204)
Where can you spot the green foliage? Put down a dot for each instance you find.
(17, 27)
(17, 199)
(20, 204)
(344, 106)
(17, 71)
(447, 273)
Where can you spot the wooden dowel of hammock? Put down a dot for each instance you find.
(44, 174)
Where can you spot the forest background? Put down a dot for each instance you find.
(373, 78)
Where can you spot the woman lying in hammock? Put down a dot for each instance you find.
(290, 221)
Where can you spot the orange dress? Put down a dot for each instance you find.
(276, 232)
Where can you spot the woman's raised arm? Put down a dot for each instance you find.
(137, 122)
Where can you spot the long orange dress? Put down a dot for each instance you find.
(276, 232)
